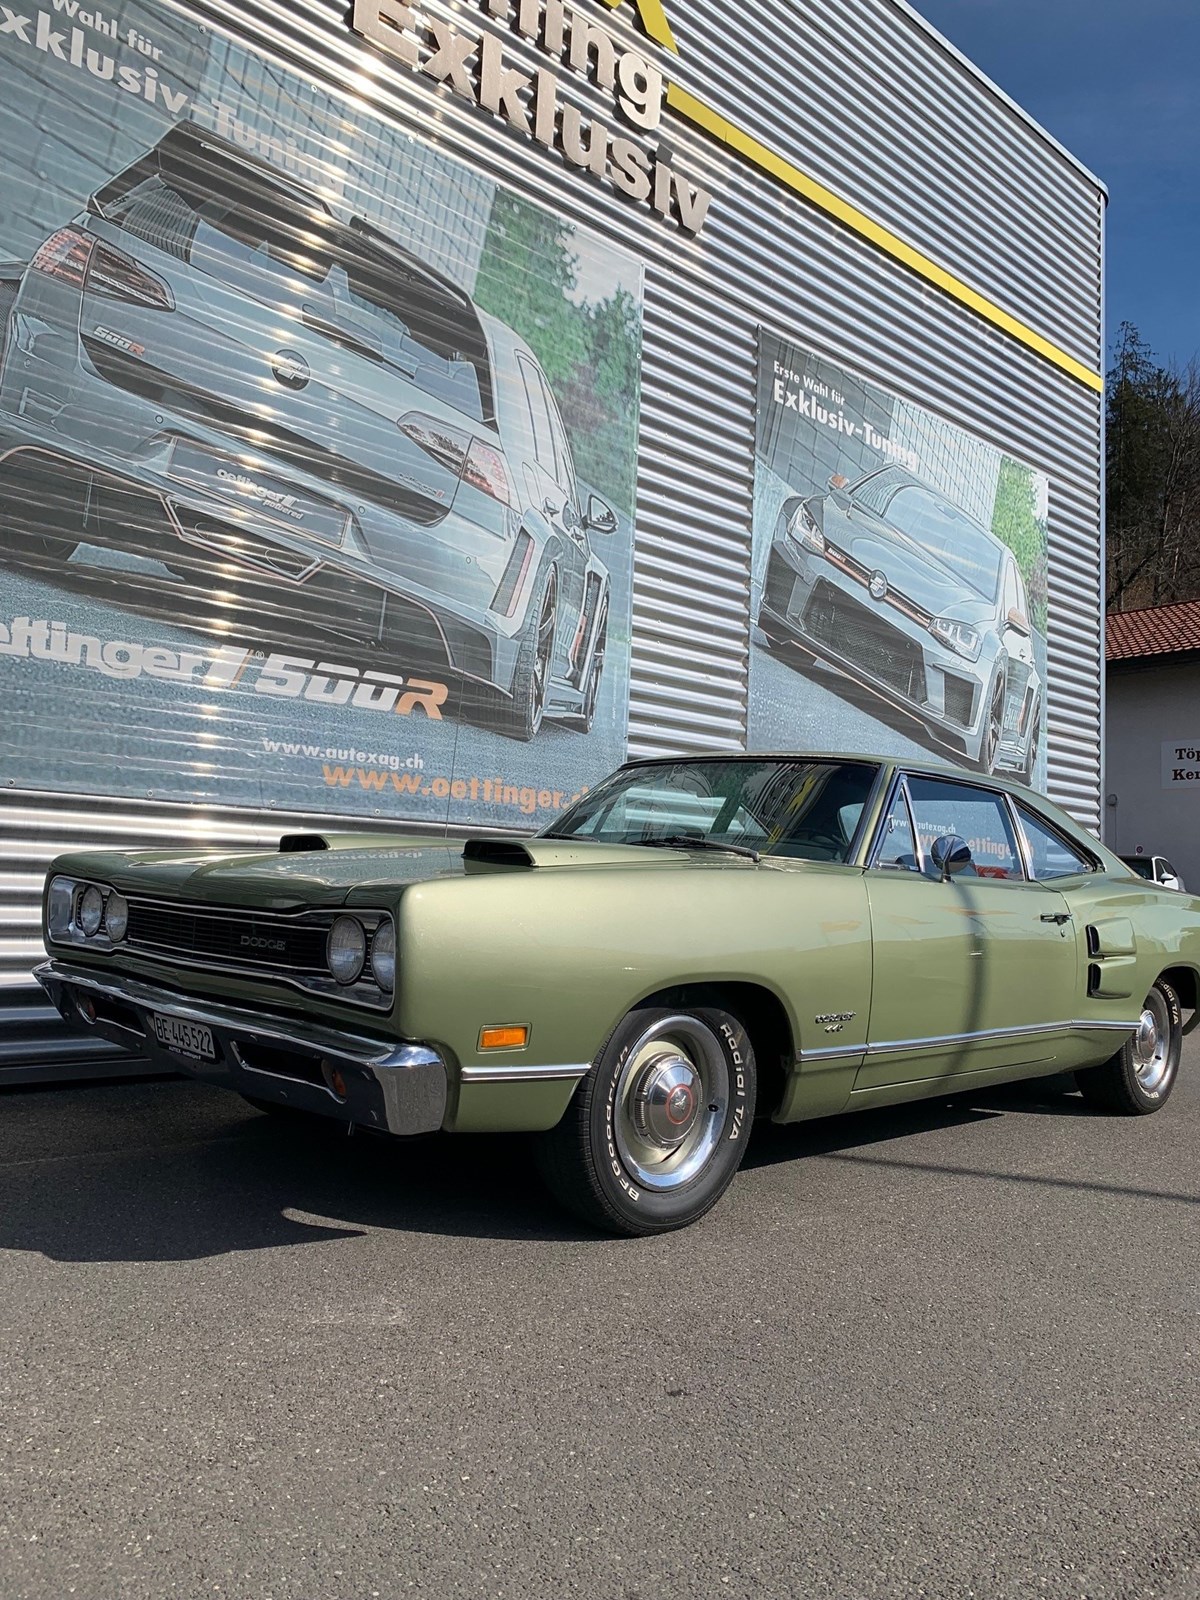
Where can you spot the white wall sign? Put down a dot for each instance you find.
(1180, 765)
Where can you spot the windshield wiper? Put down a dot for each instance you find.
(692, 841)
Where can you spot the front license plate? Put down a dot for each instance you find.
(184, 1038)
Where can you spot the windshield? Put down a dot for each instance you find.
(949, 535)
(806, 809)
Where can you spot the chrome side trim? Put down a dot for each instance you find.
(943, 1041)
(509, 1072)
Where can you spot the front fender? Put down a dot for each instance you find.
(569, 952)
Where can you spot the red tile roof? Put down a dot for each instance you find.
(1153, 631)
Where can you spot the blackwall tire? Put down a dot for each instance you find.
(658, 1128)
(1138, 1080)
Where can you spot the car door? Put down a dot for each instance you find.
(972, 973)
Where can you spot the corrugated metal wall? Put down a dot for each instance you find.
(862, 96)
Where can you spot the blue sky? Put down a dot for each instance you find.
(1118, 83)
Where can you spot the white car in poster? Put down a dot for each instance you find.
(908, 594)
(308, 426)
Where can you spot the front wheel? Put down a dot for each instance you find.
(658, 1127)
(993, 728)
(1139, 1078)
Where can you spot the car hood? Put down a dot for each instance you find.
(336, 870)
(908, 570)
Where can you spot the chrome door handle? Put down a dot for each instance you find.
(1056, 916)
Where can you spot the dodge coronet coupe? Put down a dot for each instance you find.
(697, 942)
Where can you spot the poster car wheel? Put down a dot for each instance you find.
(520, 715)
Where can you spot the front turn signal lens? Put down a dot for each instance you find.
(513, 1036)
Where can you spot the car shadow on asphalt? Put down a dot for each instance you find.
(171, 1171)
(232, 1179)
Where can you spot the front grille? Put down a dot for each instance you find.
(868, 639)
(248, 939)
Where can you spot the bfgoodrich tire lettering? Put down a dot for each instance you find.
(1138, 1080)
(658, 1127)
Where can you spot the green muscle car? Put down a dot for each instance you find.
(698, 942)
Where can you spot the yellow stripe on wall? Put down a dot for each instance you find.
(761, 156)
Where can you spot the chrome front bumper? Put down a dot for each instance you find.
(351, 1077)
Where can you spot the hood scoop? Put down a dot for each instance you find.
(299, 843)
(498, 852)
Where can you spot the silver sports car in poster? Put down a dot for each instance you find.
(317, 434)
(908, 594)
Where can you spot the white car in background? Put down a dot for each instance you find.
(1155, 869)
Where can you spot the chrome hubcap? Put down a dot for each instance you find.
(670, 1102)
(1152, 1044)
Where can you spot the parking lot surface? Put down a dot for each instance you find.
(950, 1350)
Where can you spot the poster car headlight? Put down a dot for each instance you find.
(806, 530)
(961, 637)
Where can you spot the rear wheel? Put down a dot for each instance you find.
(657, 1130)
(1139, 1078)
(595, 674)
(521, 715)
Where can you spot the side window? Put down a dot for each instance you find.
(899, 846)
(979, 816)
(539, 415)
(1050, 856)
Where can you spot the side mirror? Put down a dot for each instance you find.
(950, 854)
(1018, 621)
(599, 516)
(837, 481)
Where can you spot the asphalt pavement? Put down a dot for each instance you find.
(945, 1351)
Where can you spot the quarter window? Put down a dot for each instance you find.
(899, 847)
(979, 816)
(539, 416)
(1050, 856)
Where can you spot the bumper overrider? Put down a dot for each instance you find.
(353, 1078)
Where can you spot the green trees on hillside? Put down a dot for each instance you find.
(591, 352)
(1152, 472)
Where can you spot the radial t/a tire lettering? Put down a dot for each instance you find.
(1138, 1080)
(657, 1129)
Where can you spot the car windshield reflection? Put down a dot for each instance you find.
(805, 809)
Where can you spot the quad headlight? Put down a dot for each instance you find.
(346, 949)
(116, 916)
(90, 912)
(383, 956)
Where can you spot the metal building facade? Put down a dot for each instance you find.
(865, 99)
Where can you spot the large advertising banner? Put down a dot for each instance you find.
(899, 579)
(317, 449)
